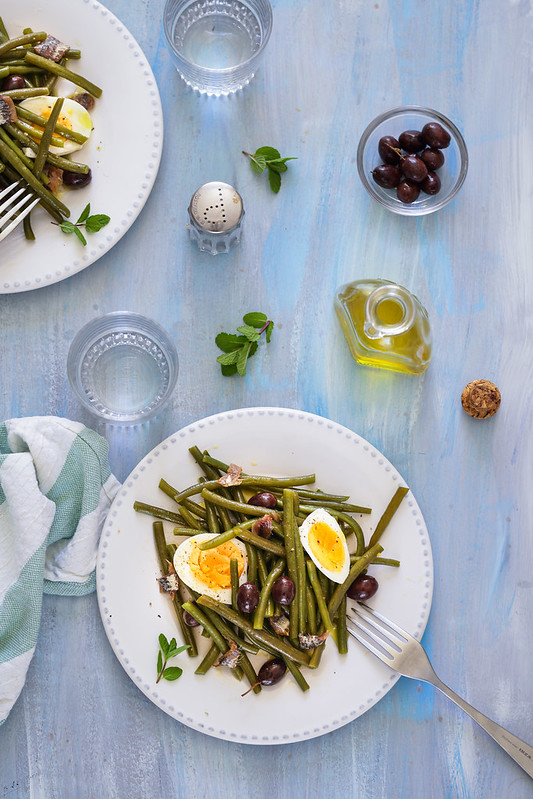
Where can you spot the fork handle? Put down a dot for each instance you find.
(521, 752)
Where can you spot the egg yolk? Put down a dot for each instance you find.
(326, 546)
(212, 566)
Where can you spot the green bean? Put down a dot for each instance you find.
(380, 561)
(264, 596)
(213, 524)
(229, 634)
(234, 577)
(63, 72)
(184, 530)
(211, 630)
(4, 72)
(29, 164)
(318, 495)
(319, 596)
(251, 553)
(355, 527)
(221, 538)
(265, 544)
(23, 94)
(211, 656)
(262, 569)
(301, 586)
(342, 635)
(36, 133)
(311, 610)
(389, 512)
(44, 145)
(191, 520)
(29, 38)
(259, 636)
(159, 513)
(161, 547)
(290, 550)
(248, 480)
(194, 507)
(28, 230)
(232, 504)
(355, 571)
(61, 130)
(59, 161)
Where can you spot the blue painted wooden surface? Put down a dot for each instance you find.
(81, 728)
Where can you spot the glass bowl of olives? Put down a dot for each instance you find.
(412, 160)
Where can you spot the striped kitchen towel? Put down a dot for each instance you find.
(55, 490)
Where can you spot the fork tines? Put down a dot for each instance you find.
(381, 636)
(16, 202)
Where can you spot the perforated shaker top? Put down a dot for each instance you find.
(216, 207)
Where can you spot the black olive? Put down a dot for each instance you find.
(76, 180)
(271, 672)
(363, 587)
(247, 597)
(263, 500)
(283, 590)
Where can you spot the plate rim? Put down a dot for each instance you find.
(148, 690)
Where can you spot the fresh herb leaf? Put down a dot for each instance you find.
(269, 158)
(92, 223)
(274, 178)
(166, 652)
(238, 349)
(254, 319)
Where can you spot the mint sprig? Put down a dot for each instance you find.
(166, 652)
(91, 222)
(238, 347)
(269, 158)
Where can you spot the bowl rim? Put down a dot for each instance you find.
(413, 210)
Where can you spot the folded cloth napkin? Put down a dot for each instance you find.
(55, 490)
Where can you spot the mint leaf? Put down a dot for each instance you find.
(80, 235)
(274, 178)
(229, 341)
(96, 222)
(242, 358)
(159, 661)
(84, 214)
(228, 370)
(172, 673)
(229, 357)
(269, 153)
(254, 319)
(67, 227)
(250, 332)
(269, 329)
(258, 164)
(163, 643)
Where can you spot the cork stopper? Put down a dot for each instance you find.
(481, 399)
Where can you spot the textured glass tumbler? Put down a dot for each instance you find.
(123, 367)
(217, 45)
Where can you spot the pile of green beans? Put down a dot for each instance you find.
(319, 606)
(17, 57)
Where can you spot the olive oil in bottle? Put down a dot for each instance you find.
(385, 325)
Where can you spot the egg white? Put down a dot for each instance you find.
(73, 116)
(182, 561)
(320, 515)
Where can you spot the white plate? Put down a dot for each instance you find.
(265, 441)
(123, 152)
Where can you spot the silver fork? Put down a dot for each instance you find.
(404, 654)
(16, 202)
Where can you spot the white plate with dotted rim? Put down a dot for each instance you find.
(275, 441)
(124, 158)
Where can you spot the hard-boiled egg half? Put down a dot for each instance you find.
(208, 571)
(325, 543)
(72, 116)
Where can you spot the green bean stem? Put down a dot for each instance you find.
(388, 513)
(319, 596)
(63, 72)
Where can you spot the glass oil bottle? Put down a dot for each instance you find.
(385, 325)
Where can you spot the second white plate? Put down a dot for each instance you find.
(274, 441)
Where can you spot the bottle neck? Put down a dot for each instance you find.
(389, 311)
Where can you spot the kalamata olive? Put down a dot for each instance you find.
(387, 149)
(407, 192)
(189, 620)
(12, 83)
(387, 176)
(263, 500)
(283, 590)
(76, 180)
(363, 587)
(247, 597)
(411, 141)
(263, 526)
(431, 183)
(414, 168)
(432, 158)
(271, 672)
(434, 135)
